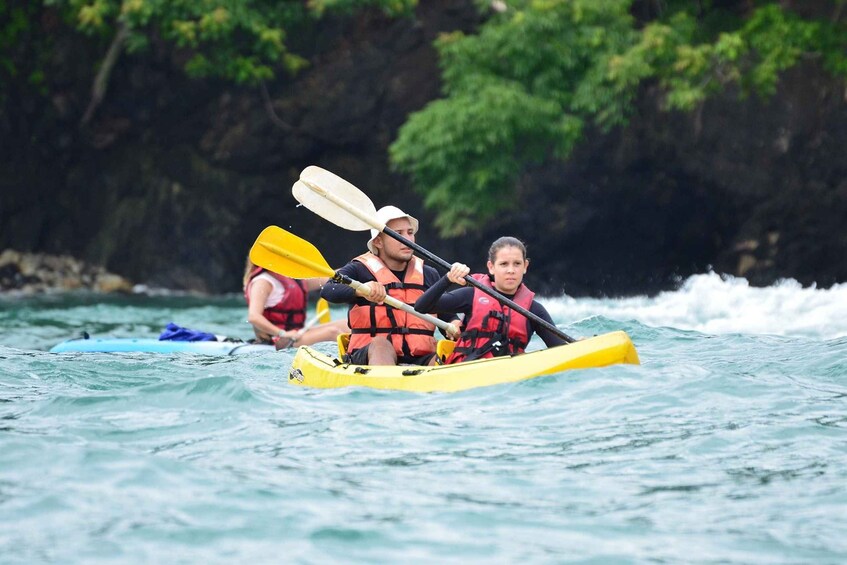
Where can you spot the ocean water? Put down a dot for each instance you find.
(727, 445)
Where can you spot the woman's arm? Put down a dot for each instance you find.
(549, 338)
(428, 300)
(259, 292)
(434, 300)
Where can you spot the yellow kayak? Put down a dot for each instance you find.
(315, 369)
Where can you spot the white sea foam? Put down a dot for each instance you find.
(713, 304)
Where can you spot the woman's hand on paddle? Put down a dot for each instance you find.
(457, 273)
(286, 339)
(373, 291)
(453, 330)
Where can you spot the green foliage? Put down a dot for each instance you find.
(239, 40)
(513, 95)
(14, 24)
(523, 88)
(752, 56)
(17, 30)
(491, 131)
(390, 7)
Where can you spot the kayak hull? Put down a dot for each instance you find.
(314, 369)
(152, 345)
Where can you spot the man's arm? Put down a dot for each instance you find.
(432, 279)
(338, 293)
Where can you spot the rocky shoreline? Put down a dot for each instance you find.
(36, 273)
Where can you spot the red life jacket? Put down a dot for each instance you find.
(290, 312)
(410, 335)
(493, 329)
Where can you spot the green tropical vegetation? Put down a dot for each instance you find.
(540, 72)
(239, 40)
(521, 90)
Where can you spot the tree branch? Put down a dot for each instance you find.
(101, 81)
(269, 108)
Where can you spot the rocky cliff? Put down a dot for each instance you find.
(173, 178)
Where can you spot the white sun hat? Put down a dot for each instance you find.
(385, 215)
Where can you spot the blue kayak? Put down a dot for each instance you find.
(153, 345)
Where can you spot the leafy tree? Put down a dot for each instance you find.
(524, 88)
(15, 29)
(239, 40)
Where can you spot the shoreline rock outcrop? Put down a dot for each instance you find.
(36, 273)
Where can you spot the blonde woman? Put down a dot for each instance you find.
(276, 308)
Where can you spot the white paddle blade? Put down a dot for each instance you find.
(326, 208)
(334, 199)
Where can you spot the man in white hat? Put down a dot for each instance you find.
(381, 335)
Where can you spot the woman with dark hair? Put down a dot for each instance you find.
(491, 329)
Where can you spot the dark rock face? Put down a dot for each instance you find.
(753, 188)
(173, 179)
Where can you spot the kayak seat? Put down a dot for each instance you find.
(443, 350)
(342, 340)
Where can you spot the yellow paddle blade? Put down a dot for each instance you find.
(322, 311)
(283, 252)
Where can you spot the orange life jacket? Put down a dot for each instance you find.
(410, 335)
(492, 329)
(290, 312)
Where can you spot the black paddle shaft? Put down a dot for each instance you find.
(486, 289)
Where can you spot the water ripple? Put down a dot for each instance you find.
(723, 447)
